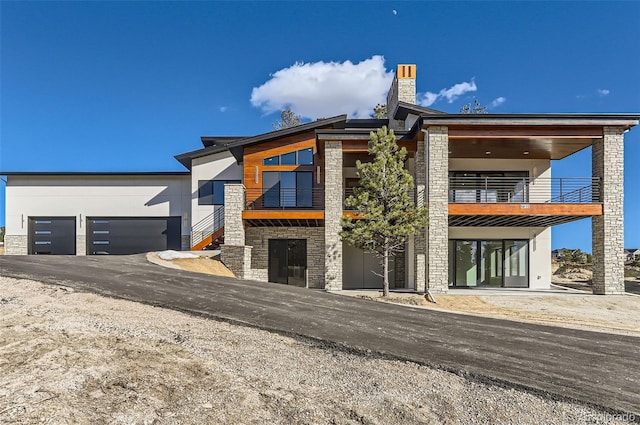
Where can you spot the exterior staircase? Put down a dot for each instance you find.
(209, 231)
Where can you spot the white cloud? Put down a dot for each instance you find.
(223, 109)
(451, 94)
(497, 102)
(325, 89)
(603, 92)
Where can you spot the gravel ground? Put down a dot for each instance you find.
(68, 357)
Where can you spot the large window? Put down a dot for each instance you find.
(287, 189)
(211, 192)
(301, 157)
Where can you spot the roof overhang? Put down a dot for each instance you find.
(525, 136)
(236, 145)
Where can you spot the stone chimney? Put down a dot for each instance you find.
(403, 89)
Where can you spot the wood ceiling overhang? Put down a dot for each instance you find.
(513, 136)
(520, 142)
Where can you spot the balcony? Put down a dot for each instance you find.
(284, 207)
(522, 201)
(516, 190)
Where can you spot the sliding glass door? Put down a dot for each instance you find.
(499, 263)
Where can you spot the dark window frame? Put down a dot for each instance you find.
(207, 192)
(277, 160)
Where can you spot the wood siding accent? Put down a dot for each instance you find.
(254, 156)
(581, 210)
(282, 214)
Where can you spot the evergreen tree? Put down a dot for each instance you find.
(384, 213)
(288, 119)
(475, 109)
(379, 112)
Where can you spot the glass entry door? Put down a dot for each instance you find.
(288, 261)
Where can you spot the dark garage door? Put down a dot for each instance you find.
(132, 235)
(52, 235)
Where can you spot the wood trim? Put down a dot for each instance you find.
(582, 210)
(282, 214)
(353, 215)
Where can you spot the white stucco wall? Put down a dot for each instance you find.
(220, 166)
(83, 196)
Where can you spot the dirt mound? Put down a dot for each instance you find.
(203, 264)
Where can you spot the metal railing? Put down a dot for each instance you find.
(207, 226)
(284, 199)
(524, 190)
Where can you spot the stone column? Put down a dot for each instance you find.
(234, 254)
(81, 243)
(333, 194)
(607, 229)
(419, 240)
(234, 196)
(438, 202)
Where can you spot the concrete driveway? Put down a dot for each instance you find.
(596, 368)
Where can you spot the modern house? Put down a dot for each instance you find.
(631, 253)
(274, 201)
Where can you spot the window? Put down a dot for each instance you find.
(301, 157)
(211, 192)
(287, 189)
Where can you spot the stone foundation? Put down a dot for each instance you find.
(237, 258)
(258, 238)
(16, 245)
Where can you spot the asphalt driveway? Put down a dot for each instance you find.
(596, 368)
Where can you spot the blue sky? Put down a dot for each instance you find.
(125, 86)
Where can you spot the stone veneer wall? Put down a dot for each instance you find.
(399, 268)
(81, 244)
(419, 250)
(234, 253)
(401, 90)
(608, 229)
(333, 193)
(185, 242)
(258, 238)
(234, 200)
(237, 258)
(438, 201)
(16, 245)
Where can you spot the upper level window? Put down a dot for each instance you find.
(301, 157)
(211, 192)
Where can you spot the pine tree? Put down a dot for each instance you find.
(384, 213)
(288, 119)
(476, 109)
(379, 112)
